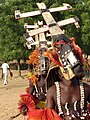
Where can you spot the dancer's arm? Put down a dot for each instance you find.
(50, 97)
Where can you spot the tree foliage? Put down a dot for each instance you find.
(12, 42)
(82, 35)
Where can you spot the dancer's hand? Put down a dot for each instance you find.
(24, 110)
(42, 97)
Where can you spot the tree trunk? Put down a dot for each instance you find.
(19, 71)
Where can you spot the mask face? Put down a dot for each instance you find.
(43, 64)
(43, 61)
(71, 64)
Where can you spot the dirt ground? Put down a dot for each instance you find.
(9, 95)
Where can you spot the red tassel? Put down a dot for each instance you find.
(27, 100)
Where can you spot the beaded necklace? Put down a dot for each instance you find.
(83, 114)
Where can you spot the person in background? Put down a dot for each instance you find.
(5, 67)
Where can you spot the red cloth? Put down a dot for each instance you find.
(53, 57)
(27, 100)
(36, 114)
(27, 90)
(77, 49)
(88, 107)
(43, 114)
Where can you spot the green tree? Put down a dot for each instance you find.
(2, 1)
(82, 10)
(11, 33)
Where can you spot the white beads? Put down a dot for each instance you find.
(82, 96)
(58, 98)
(66, 107)
(75, 103)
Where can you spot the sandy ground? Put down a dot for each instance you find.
(9, 95)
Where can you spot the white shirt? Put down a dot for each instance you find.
(5, 67)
